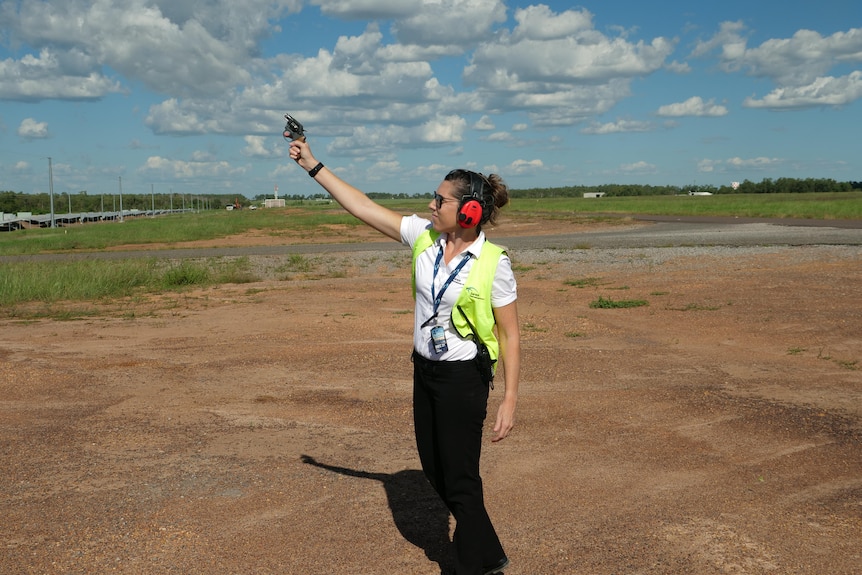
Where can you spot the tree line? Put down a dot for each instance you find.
(766, 186)
(13, 202)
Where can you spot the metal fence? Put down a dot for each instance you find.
(22, 220)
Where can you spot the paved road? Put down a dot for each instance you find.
(670, 231)
(663, 231)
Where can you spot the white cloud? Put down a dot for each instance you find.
(450, 22)
(521, 167)
(185, 170)
(385, 170)
(803, 57)
(753, 163)
(694, 106)
(443, 130)
(559, 68)
(203, 156)
(367, 140)
(30, 129)
(256, 147)
(456, 151)
(363, 88)
(484, 124)
(432, 171)
(499, 137)
(679, 67)
(827, 91)
(368, 9)
(580, 54)
(639, 168)
(798, 65)
(51, 75)
(180, 48)
(728, 39)
(540, 23)
(570, 105)
(220, 85)
(618, 127)
(706, 166)
(737, 164)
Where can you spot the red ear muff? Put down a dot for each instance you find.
(470, 214)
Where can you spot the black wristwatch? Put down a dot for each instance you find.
(313, 171)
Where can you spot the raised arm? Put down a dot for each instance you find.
(380, 218)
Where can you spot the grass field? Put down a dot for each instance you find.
(809, 206)
(309, 216)
(89, 280)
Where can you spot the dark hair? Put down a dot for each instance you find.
(495, 192)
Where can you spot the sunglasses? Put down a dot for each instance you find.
(440, 200)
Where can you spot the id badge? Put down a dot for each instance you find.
(438, 338)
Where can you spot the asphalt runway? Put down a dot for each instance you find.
(670, 231)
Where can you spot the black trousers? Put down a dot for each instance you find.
(450, 403)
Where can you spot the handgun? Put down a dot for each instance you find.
(293, 130)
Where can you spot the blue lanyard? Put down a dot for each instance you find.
(438, 297)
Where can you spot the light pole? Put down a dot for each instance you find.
(51, 191)
(121, 199)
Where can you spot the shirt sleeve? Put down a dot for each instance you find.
(505, 288)
(411, 228)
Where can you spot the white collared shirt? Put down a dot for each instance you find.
(504, 290)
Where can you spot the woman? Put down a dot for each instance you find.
(465, 291)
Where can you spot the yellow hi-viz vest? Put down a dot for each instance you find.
(475, 298)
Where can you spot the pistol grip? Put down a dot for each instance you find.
(289, 134)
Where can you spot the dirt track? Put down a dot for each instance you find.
(265, 428)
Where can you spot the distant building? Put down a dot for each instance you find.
(594, 194)
(273, 203)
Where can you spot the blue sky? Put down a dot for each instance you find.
(189, 96)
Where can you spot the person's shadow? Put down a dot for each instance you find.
(418, 513)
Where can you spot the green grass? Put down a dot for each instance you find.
(79, 280)
(298, 263)
(837, 206)
(93, 280)
(607, 303)
(695, 307)
(172, 229)
(584, 282)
